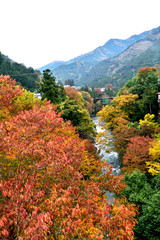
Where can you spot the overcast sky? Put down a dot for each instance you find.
(37, 32)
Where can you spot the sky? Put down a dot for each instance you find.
(37, 32)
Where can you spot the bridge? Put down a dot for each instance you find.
(104, 100)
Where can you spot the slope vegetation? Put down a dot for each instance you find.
(26, 77)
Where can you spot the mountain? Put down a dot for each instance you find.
(82, 66)
(26, 77)
(78, 67)
(6, 58)
(119, 69)
(51, 65)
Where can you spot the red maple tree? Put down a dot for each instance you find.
(137, 154)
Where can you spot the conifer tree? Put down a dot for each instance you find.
(49, 89)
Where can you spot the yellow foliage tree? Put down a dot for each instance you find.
(154, 151)
(125, 102)
(149, 120)
(116, 115)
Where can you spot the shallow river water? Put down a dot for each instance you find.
(111, 157)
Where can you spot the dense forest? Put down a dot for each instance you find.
(53, 182)
(26, 77)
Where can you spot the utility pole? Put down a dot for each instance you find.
(158, 100)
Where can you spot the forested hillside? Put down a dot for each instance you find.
(79, 67)
(120, 69)
(99, 66)
(26, 77)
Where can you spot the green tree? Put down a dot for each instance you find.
(69, 82)
(146, 85)
(50, 90)
(85, 89)
(150, 219)
(145, 194)
(79, 117)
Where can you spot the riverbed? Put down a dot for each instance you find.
(110, 157)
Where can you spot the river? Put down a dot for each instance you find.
(111, 157)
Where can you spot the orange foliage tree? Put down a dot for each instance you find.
(44, 193)
(51, 186)
(137, 154)
(144, 71)
(123, 138)
(8, 93)
(13, 98)
(73, 94)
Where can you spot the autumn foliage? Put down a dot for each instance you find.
(137, 154)
(89, 100)
(8, 93)
(76, 109)
(116, 116)
(51, 186)
(73, 94)
(14, 99)
(144, 71)
(136, 137)
(154, 151)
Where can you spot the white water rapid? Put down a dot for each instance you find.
(111, 157)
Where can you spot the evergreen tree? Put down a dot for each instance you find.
(49, 89)
(69, 82)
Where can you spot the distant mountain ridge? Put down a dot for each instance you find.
(110, 49)
(85, 65)
(52, 65)
(119, 69)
